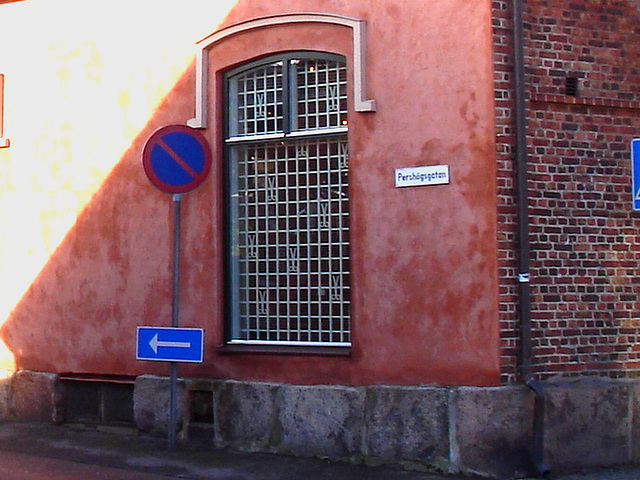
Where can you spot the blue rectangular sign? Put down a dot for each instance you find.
(170, 344)
(635, 173)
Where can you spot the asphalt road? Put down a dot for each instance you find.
(20, 466)
(38, 452)
(47, 452)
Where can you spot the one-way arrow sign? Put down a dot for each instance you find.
(170, 344)
(155, 343)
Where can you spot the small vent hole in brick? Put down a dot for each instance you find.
(571, 86)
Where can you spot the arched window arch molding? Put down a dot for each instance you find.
(358, 27)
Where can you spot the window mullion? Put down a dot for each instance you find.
(289, 96)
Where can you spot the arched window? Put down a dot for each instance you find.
(288, 259)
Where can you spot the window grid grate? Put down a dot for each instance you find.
(320, 102)
(259, 101)
(322, 94)
(293, 242)
(288, 200)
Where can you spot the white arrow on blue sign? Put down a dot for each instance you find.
(635, 173)
(170, 344)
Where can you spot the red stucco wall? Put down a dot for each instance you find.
(424, 258)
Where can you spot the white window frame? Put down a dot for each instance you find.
(359, 36)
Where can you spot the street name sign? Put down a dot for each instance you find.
(176, 158)
(166, 344)
(421, 176)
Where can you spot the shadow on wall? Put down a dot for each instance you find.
(111, 272)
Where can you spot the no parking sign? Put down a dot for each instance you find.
(176, 158)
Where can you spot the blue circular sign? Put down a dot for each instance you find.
(176, 158)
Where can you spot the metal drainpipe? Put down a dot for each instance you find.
(525, 370)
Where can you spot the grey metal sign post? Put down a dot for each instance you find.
(176, 159)
(175, 315)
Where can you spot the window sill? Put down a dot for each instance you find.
(324, 351)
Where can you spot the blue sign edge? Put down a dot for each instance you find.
(147, 359)
(635, 163)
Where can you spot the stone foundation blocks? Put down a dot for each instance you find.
(151, 405)
(492, 429)
(32, 397)
(245, 416)
(471, 430)
(407, 425)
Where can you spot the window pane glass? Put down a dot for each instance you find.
(292, 264)
(258, 101)
(321, 94)
(288, 203)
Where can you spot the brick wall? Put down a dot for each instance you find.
(585, 237)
